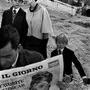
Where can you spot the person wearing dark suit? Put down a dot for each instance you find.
(16, 16)
(11, 56)
(68, 57)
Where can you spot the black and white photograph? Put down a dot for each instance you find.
(44, 44)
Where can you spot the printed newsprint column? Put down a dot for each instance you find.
(23, 78)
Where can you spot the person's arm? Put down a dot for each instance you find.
(33, 56)
(25, 25)
(78, 65)
(80, 70)
(3, 19)
(46, 24)
(24, 29)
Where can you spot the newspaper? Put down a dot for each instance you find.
(22, 78)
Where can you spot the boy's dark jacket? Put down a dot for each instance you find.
(68, 58)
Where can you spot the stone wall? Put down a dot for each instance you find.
(59, 6)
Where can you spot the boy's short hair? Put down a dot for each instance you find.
(9, 34)
(61, 38)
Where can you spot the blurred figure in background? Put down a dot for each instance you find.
(39, 28)
(17, 18)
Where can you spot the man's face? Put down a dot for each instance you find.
(16, 4)
(7, 56)
(43, 85)
(32, 3)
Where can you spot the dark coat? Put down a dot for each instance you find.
(19, 23)
(68, 58)
(27, 57)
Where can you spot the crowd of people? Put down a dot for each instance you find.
(24, 35)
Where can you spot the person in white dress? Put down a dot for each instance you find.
(39, 28)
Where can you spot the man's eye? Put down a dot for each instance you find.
(8, 56)
(41, 86)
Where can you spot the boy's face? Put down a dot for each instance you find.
(61, 45)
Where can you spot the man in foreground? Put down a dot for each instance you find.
(10, 54)
(68, 58)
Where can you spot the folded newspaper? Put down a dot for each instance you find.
(38, 75)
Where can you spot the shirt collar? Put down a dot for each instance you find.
(13, 65)
(16, 9)
(60, 50)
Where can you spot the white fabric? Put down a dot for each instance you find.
(39, 22)
(61, 67)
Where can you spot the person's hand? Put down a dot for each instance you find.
(61, 85)
(86, 81)
(67, 78)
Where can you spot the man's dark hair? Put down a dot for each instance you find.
(35, 0)
(9, 34)
(37, 78)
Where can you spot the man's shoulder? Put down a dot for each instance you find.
(31, 56)
(21, 10)
(6, 11)
(26, 52)
(68, 50)
(43, 8)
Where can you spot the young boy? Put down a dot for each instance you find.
(68, 57)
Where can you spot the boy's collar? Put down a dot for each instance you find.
(60, 49)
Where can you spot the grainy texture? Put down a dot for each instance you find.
(77, 28)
